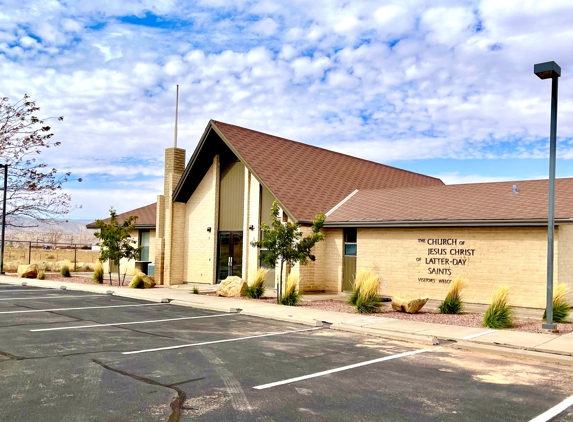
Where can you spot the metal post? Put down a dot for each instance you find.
(549, 325)
(4, 217)
(29, 253)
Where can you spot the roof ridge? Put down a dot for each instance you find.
(326, 150)
(465, 184)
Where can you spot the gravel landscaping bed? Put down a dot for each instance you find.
(529, 325)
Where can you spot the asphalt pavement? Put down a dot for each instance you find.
(81, 356)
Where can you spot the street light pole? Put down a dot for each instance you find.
(5, 166)
(545, 71)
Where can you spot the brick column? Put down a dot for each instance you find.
(174, 219)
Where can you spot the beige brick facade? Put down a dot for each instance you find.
(199, 246)
(421, 262)
(564, 260)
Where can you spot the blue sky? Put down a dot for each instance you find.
(445, 88)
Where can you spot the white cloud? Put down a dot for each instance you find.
(359, 77)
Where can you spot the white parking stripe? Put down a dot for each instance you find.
(478, 335)
(343, 368)
(181, 346)
(51, 297)
(554, 411)
(75, 309)
(130, 323)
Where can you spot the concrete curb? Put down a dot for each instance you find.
(159, 295)
(393, 335)
(514, 353)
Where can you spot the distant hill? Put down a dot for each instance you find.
(62, 231)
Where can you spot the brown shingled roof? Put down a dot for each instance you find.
(476, 201)
(308, 180)
(145, 217)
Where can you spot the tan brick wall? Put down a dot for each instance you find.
(173, 242)
(200, 250)
(512, 256)
(564, 261)
(252, 217)
(160, 240)
(324, 274)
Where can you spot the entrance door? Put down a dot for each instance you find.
(230, 259)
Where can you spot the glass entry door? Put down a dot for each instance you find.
(230, 255)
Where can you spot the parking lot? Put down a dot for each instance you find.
(77, 356)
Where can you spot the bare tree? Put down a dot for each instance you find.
(34, 190)
(53, 237)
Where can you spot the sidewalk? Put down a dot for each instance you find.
(542, 347)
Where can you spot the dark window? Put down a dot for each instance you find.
(144, 243)
(350, 236)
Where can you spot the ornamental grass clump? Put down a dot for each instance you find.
(41, 275)
(453, 303)
(561, 307)
(361, 275)
(65, 271)
(256, 288)
(195, 290)
(499, 314)
(291, 296)
(97, 276)
(368, 300)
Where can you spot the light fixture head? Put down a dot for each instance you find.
(547, 70)
(251, 227)
(209, 229)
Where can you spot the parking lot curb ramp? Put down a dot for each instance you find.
(412, 338)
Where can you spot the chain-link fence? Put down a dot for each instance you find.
(18, 252)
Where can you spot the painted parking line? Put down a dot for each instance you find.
(343, 368)
(51, 297)
(478, 335)
(181, 346)
(76, 309)
(554, 411)
(130, 323)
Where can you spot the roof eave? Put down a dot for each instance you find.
(534, 222)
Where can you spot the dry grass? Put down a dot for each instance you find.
(256, 287)
(561, 307)
(499, 314)
(453, 303)
(291, 296)
(361, 275)
(368, 300)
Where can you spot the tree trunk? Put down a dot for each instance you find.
(280, 286)
(118, 275)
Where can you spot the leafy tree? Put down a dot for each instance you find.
(34, 190)
(283, 242)
(115, 240)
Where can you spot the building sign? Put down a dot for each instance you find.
(440, 257)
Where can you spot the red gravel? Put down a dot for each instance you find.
(529, 325)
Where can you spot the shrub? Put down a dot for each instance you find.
(368, 300)
(453, 303)
(41, 275)
(499, 314)
(65, 271)
(98, 273)
(291, 296)
(47, 266)
(361, 275)
(256, 287)
(195, 290)
(88, 266)
(561, 307)
(51, 256)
